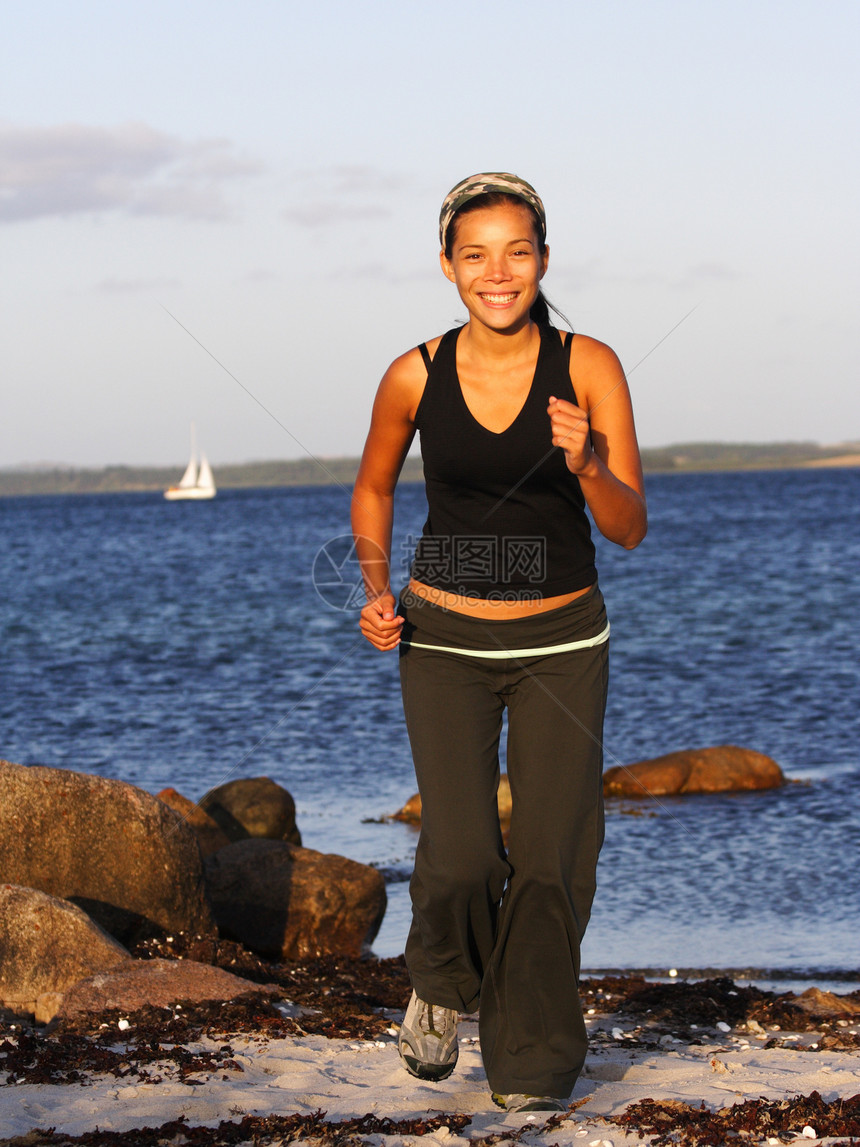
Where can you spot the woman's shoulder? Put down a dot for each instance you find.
(595, 369)
(412, 364)
(402, 386)
(586, 347)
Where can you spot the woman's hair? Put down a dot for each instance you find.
(540, 308)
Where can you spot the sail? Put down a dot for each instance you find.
(189, 478)
(205, 480)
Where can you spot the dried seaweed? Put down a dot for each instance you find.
(34, 1058)
(676, 1124)
(260, 1131)
(706, 1003)
(346, 999)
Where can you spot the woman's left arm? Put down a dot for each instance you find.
(598, 438)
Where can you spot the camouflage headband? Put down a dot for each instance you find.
(491, 181)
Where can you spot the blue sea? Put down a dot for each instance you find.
(189, 644)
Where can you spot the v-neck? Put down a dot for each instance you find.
(519, 413)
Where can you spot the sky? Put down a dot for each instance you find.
(227, 213)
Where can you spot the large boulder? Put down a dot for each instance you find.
(120, 854)
(46, 945)
(210, 835)
(286, 902)
(253, 807)
(721, 769)
(156, 983)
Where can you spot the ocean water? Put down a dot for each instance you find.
(188, 644)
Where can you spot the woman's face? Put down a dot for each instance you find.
(496, 264)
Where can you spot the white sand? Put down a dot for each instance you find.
(349, 1079)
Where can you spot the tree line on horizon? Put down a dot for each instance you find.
(682, 458)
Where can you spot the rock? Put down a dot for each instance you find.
(210, 835)
(411, 811)
(46, 945)
(255, 807)
(120, 854)
(828, 1005)
(723, 768)
(286, 902)
(160, 983)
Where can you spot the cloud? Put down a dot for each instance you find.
(708, 272)
(342, 193)
(323, 214)
(596, 273)
(114, 286)
(261, 276)
(70, 169)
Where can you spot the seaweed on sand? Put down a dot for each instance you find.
(261, 1131)
(676, 1124)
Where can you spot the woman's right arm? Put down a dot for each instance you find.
(392, 429)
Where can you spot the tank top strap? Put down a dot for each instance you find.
(425, 354)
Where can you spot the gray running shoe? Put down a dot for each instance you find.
(519, 1103)
(428, 1040)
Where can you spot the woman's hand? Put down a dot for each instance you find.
(380, 623)
(571, 432)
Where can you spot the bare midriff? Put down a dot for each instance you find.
(483, 607)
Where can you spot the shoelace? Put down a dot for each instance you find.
(430, 1029)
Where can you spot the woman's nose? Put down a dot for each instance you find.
(497, 269)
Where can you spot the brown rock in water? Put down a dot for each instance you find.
(292, 903)
(827, 1004)
(411, 811)
(210, 835)
(159, 983)
(721, 769)
(253, 807)
(115, 851)
(46, 945)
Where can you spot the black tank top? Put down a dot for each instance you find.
(506, 517)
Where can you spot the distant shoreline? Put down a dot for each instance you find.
(685, 458)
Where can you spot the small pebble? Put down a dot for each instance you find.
(617, 1033)
(723, 1026)
(123, 1025)
(809, 1132)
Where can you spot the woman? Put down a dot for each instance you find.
(521, 426)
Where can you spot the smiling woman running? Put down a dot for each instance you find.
(521, 427)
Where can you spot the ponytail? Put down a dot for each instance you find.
(540, 312)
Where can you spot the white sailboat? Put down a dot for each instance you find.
(197, 483)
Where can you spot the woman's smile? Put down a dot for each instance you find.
(495, 299)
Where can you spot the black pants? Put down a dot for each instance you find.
(490, 928)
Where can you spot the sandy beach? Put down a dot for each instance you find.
(257, 1071)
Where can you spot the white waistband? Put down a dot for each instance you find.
(567, 647)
